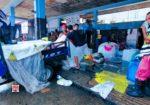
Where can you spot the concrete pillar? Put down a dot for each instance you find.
(59, 22)
(40, 18)
(12, 16)
(95, 17)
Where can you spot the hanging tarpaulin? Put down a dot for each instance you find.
(53, 24)
(73, 19)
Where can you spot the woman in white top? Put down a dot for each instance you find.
(62, 36)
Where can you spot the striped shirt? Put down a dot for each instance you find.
(145, 50)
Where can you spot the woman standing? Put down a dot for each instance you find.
(143, 73)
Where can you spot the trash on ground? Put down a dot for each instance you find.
(103, 89)
(15, 88)
(2, 80)
(6, 87)
(118, 79)
(63, 82)
(46, 90)
(92, 82)
(96, 58)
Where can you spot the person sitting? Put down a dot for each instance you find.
(57, 41)
(62, 36)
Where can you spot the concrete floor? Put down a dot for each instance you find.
(57, 95)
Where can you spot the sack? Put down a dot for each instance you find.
(109, 50)
(132, 69)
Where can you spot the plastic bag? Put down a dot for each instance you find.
(104, 89)
(132, 69)
(30, 72)
(143, 72)
(109, 50)
(132, 38)
(129, 54)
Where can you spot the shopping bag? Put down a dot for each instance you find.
(132, 69)
(143, 72)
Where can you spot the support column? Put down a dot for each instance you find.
(59, 22)
(95, 18)
(40, 19)
(12, 22)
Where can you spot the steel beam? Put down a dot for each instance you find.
(105, 7)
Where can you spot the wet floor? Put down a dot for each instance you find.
(58, 95)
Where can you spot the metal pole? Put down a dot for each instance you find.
(40, 18)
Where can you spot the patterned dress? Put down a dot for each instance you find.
(143, 72)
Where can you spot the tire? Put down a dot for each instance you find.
(51, 72)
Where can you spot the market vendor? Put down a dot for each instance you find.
(142, 85)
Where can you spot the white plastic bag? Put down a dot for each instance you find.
(30, 73)
(103, 89)
(132, 38)
(109, 50)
